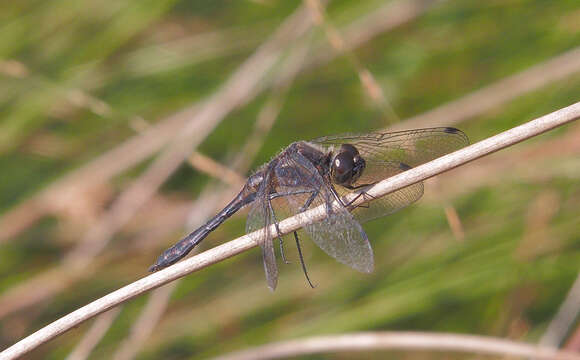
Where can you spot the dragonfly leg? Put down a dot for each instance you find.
(364, 195)
(278, 234)
(289, 193)
(308, 202)
(313, 195)
(302, 261)
(271, 209)
(359, 186)
(348, 204)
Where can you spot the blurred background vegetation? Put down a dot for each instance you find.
(92, 92)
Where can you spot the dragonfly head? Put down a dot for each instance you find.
(347, 165)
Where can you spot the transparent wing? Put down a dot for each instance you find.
(342, 237)
(339, 234)
(259, 218)
(389, 153)
(387, 204)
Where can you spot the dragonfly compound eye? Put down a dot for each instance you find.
(347, 165)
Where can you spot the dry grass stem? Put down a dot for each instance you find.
(94, 335)
(197, 48)
(145, 324)
(368, 81)
(271, 109)
(564, 319)
(378, 21)
(97, 171)
(573, 343)
(215, 170)
(532, 163)
(415, 341)
(454, 222)
(39, 288)
(246, 242)
(498, 93)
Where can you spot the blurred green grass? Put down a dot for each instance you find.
(153, 58)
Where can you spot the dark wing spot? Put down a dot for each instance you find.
(404, 166)
(452, 130)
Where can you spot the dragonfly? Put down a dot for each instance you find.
(323, 172)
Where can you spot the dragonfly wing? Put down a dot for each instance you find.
(389, 203)
(390, 153)
(339, 234)
(259, 219)
(401, 149)
(343, 238)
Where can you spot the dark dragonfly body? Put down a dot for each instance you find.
(245, 197)
(185, 245)
(248, 194)
(309, 174)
